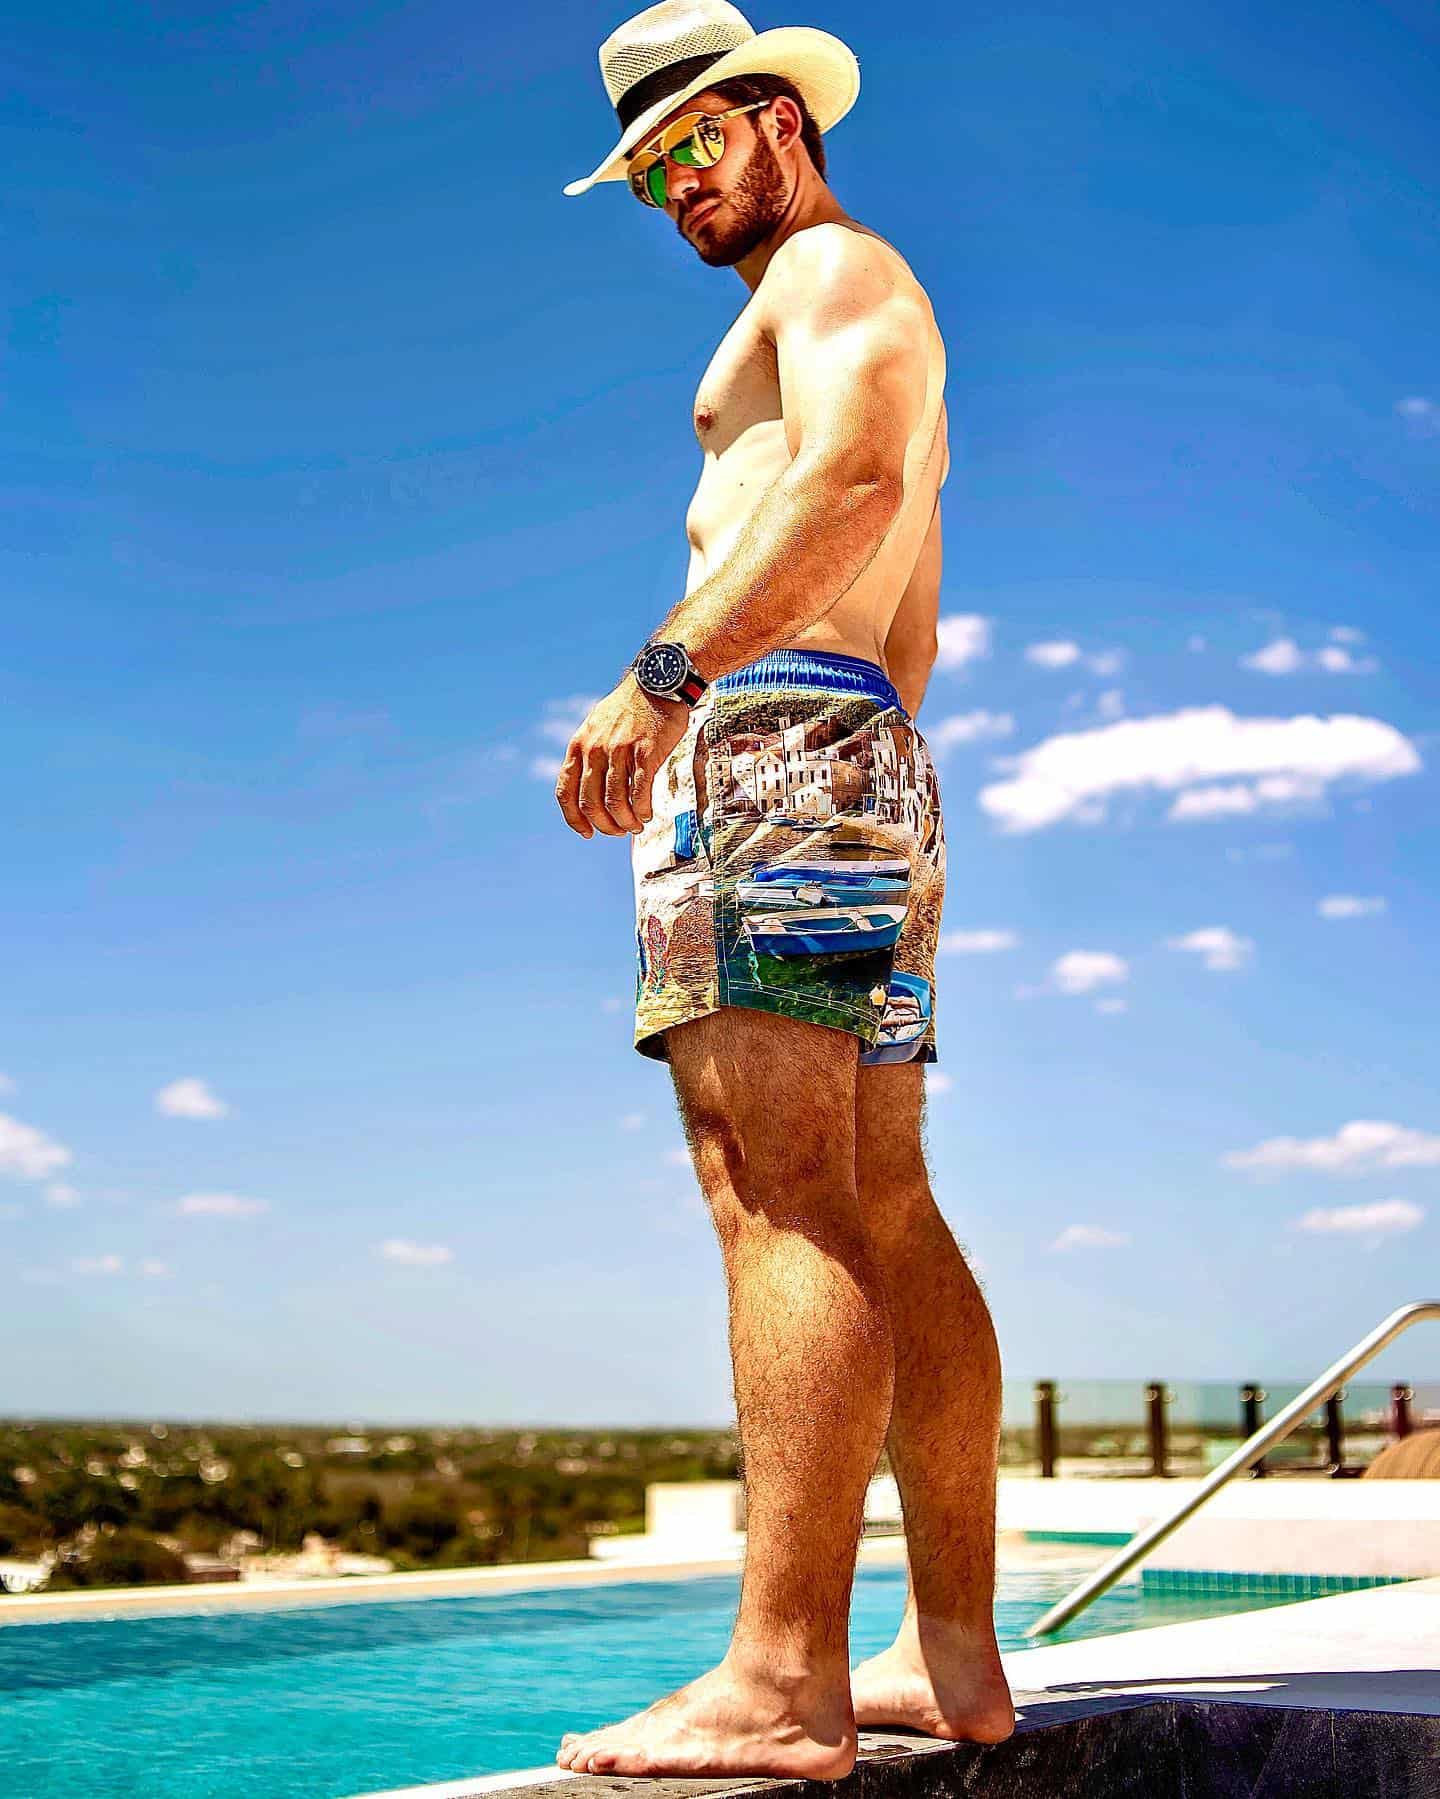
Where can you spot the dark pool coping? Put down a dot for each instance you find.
(1335, 1698)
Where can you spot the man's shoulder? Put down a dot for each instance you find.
(830, 249)
(832, 262)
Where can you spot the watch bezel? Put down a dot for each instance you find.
(664, 690)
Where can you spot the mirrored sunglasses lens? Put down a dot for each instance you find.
(655, 183)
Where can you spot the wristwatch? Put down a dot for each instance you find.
(665, 670)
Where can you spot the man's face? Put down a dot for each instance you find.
(740, 199)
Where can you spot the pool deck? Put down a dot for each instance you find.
(1333, 1698)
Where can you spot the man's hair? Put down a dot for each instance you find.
(740, 89)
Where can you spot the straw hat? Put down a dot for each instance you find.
(658, 59)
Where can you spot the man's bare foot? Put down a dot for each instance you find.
(729, 1721)
(938, 1678)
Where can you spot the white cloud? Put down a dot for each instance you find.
(1284, 656)
(1350, 905)
(1053, 655)
(153, 1270)
(1220, 947)
(415, 1255)
(1422, 416)
(1214, 802)
(977, 943)
(1062, 653)
(221, 1205)
(969, 727)
(1111, 703)
(1072, 775)
(632, 1121)
(1090, 1236)
(97, 1265)
(26, 1153)
(1334, 659)
(936, 1079)
(189, 1098)
(1083, 970)
(1384, 1218)
(563, 718)
(61, 1197)
(1359, 1147)
(961, 637)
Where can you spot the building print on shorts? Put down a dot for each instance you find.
(794, 863)
(795, 771)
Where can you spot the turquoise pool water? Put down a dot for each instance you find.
(325, 1702)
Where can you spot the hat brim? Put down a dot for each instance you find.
(824, 69)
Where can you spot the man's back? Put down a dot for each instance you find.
(748, 440)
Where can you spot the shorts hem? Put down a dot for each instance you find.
(750, 999)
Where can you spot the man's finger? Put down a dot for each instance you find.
(642, 787)
(617, 788)
(567, 792)
(592, 791)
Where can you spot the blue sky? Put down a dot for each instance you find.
(343, 454)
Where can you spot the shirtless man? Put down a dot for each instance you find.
(815, 563)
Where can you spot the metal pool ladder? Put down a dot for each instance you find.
(1249, 1452)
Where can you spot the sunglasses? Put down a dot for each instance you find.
(696, 140)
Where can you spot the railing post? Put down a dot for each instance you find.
(1250, 1396)
(1335, 1432)
(1400, 1397)
(1045, 1434)
(1155, 1407)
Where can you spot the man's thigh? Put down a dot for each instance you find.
(767, 1102)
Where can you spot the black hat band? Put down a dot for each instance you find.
(644, 93)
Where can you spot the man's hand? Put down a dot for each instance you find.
(611, 762)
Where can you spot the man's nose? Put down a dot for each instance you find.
(680, 181)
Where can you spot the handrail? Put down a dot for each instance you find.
(1249, 1452)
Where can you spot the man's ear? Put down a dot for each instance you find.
(788, 122)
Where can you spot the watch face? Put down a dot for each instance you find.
(662, 667)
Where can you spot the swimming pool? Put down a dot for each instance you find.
(319, 1703)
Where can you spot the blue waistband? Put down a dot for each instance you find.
(828, 670)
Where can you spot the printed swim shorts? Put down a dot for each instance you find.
(794, 861)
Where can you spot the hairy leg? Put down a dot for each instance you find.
(943, 1673)
(768, 1105)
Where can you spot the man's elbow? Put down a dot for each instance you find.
(854, 477)
(861, 487)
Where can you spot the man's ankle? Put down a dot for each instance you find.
(789, 1669)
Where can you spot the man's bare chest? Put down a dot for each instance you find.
(740, 390)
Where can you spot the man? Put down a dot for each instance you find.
(788, 856)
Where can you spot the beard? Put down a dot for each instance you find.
(747, 215)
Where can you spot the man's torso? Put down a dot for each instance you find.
(739, 422)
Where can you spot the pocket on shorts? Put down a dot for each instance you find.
(671, 837)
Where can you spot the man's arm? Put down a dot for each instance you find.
(852, 355)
